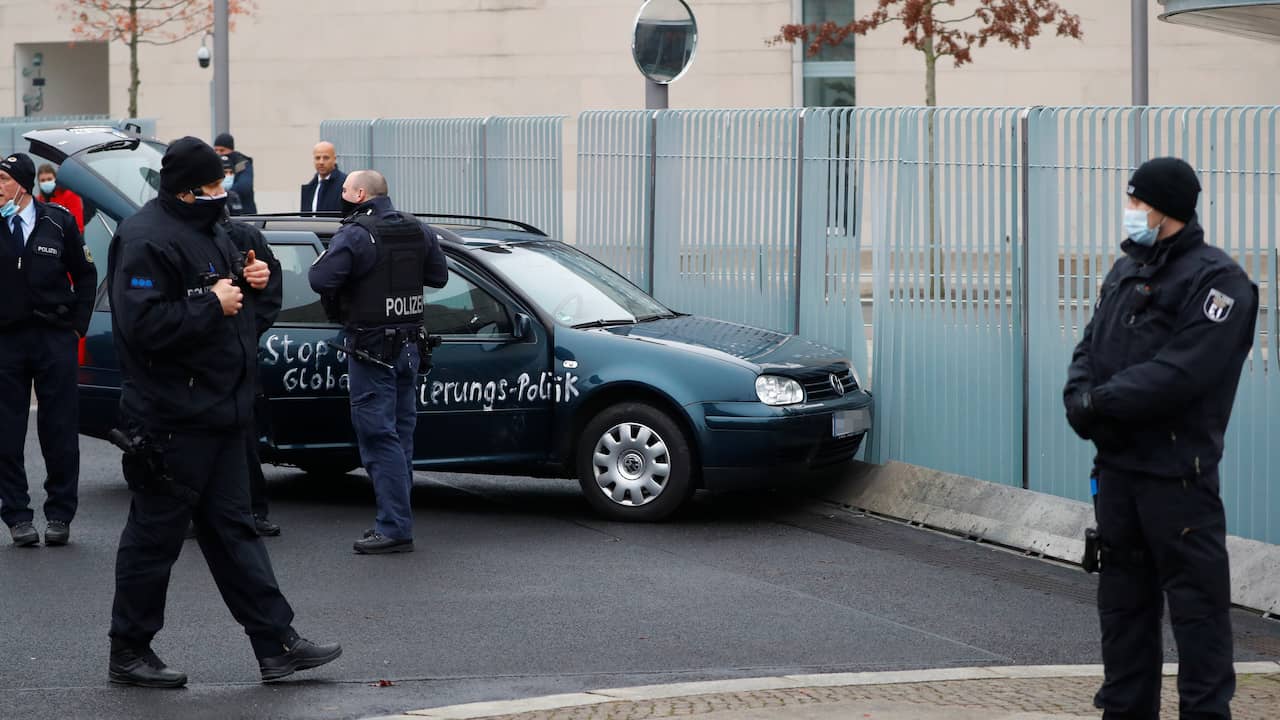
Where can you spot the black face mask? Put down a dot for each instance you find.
(203, 213)
(348, 207)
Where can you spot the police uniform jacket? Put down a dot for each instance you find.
(352, 254)
(1163, 353)
(53, 282)
(184, 364)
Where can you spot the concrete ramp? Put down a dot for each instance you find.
(1022, 519)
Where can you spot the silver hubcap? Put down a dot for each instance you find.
(631, 464)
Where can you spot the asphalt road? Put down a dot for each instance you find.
(516, 589)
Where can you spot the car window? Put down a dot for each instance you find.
(132, 167)
(97, 238)
(300, 303)
(462, 308)
(570, 285)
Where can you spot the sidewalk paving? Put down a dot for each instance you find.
(1008, 693)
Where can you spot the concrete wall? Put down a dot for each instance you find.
(76, 78)
(297, 62)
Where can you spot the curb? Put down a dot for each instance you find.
(470, 711)
(1023, 519)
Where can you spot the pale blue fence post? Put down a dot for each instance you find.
(615, 190)
(523, 171)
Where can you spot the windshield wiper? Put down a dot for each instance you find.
(602, 323)
(654, 316)
(129, 144)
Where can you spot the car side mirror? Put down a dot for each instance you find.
(523, 327)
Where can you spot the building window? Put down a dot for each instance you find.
(828, 77)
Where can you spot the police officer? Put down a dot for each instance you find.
(265, 307)
(47, 287)
(369, 276)
(187, 355)
(1151, 383)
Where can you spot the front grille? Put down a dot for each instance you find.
(818, 387)
(835, 450)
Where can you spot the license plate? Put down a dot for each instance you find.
(848, 422)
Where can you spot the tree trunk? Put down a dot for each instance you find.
(133, 59)
(936, 288)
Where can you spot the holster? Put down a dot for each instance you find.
(427, 344)
(1092, 560)
(145, 470)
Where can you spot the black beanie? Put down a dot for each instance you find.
(225, 140)
(189, 163)
(1168, 185)
(21, 169)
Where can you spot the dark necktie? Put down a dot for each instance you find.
(17, 234)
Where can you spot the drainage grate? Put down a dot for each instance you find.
(940, 551)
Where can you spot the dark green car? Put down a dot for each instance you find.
(551, 363)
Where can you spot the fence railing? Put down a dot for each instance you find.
(959, 250)
(496, 166)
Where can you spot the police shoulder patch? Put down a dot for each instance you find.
(1217, 306)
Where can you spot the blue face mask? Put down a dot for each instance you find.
(228, 181)
(10, 208)
(1135, 227)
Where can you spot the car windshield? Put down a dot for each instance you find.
(130, 165)
(572, 287)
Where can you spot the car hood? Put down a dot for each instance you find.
(769, 350)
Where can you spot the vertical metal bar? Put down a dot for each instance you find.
(799, 210)
(1024, 123)
(652, 210)
(484, 165)
(1138, 30)
(221, 67)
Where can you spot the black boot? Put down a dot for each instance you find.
(142, 668)
(300, 654)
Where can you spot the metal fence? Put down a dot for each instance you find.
(506, 167)
(978, 236)
(1079, 162)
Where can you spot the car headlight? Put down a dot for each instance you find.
(857, 379)
(776, 390)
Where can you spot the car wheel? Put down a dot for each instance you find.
(327, 468)
(634, 463)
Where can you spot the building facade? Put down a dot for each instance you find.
(295, 63)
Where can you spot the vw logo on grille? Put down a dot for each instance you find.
(837, 385)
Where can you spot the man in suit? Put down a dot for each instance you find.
(324, 192)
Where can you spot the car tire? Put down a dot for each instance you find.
(634, 463)
(327, 468)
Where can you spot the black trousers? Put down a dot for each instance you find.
(212, 464)
(1166, 538)
(257, 480)
(46, 356)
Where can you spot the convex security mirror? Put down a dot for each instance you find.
(666, 36)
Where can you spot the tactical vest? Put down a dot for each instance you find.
(391, 292)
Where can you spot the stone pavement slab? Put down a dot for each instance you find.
(1012, 693)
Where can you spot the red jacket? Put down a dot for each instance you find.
(68, 200)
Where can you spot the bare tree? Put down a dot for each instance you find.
(1014, 22)
(936, 36)
(143, 22)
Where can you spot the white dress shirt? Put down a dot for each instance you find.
(315, 197)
